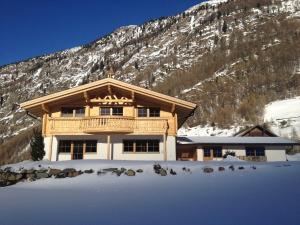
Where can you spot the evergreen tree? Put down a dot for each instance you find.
(37, 145)
(224, 28)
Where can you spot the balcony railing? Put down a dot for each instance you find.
(107, 124)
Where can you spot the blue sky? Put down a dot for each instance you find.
(34, 27)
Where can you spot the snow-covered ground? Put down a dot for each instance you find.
(269, 194)
(284, 117)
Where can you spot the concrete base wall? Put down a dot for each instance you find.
(116, 148)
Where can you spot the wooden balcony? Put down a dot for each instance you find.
(107, 124)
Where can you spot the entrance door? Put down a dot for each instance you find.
(78, 150)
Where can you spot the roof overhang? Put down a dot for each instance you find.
(212, 140)
(39, 105)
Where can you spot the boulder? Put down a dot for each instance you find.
(40, 175)
(110, 169)
(231, 168)
(14, 177)
(163, 172)
(253, 167)
(30, 175)
(89, 171)
(101, 172)
(53, 172)
(172, 172)
(69, 170)
(241, 168)
(60, 175)
(130, 172)
(208, 170)
(73, 174)
(156, 167)
(139, 171)
(221, 168)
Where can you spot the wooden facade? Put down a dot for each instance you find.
(109, 107)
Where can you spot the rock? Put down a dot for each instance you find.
(73, 174)
(69, 170)
(89, 171)
(221, 168)
(130, 173)
(241, 168)
(157, 168)
(101, 172)
(172, 172)
(60, 175)
(208, 170)
(30, 175)
(53, 172)
(7, 169)
(31, 171)
(14, 177)
(110, 169)
(30, 179)
(183, 169)
(40, 175)
(163, 172)
(139, 171)
(253, 167)
(231, 168)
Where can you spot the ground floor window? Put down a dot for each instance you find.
(77, 147)
(141, 145)
(216, 151)
(255, 151)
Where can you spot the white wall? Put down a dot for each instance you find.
(274, 153)
(116, 147)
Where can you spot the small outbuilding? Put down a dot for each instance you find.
(253, 144)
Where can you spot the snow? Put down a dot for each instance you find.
(295, 157)
(284, 116)
(267, 195)
(208, 131)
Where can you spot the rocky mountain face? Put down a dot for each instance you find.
(231, 57)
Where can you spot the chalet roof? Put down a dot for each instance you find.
(35, 106)
(248, 130)
(187, 140)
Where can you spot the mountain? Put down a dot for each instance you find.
(230, 57)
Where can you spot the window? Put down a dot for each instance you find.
(153, 146)
(206, 152)
(108, 111)
(117, 111)
(105, 111)
(70, 112)
(148, 112)
(79, 112)
(142, 112)
(91, 146)
(255, 151)
(154, 112)
(128, 146)
(67, 112)
(64, 146)
(141, 146)
(217, 152)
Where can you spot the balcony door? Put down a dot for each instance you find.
(78, 150)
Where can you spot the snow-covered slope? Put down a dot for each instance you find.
(283, 117)
(268, 194)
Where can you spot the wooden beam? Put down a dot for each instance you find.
(109, 89)
(50, 147)
(45, 108)
(132, 96)
(86, 96)
(173, 108)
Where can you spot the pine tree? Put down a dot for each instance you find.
(224, 28)
(37, 145)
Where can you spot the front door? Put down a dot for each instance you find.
(78, 150)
